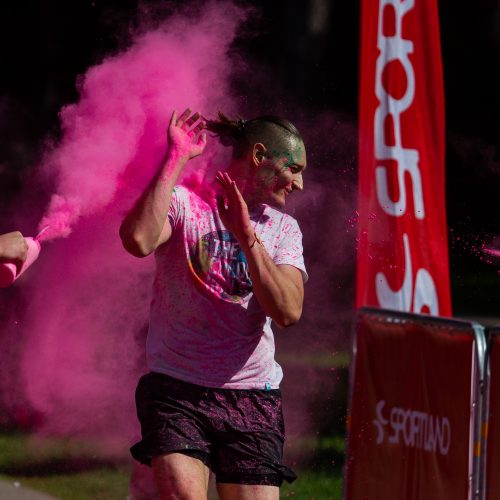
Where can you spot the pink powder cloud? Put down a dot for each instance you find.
(81, 338)
(115, 134)
(83, 330)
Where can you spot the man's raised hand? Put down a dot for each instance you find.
(185, 137)
(233, 209)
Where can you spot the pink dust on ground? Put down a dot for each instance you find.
(80, 342)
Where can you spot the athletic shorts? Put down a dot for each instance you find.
(238, 434)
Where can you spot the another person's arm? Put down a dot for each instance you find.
(13, 247)
(279, 289)
(146, 226)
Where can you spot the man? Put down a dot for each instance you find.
(224, 270)
(13, 248)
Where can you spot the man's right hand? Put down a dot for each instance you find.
(185, 139)
(13, 247)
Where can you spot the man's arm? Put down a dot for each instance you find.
(146, 226)
(279, 289)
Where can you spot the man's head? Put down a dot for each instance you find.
(268, 156)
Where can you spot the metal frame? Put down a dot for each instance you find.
(491, 333)
(477, 399)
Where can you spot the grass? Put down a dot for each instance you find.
(72, 470)
(321, 477)
(313, 485)
(101, 484)
(65, 468)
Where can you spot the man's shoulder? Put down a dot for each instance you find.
(281, 219)
(181, 191)
(190, 196)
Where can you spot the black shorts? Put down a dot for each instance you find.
(239, 434)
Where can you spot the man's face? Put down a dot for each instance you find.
(280, 173)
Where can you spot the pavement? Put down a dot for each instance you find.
(14, 490)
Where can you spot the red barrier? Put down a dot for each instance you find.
(491, 429)
(414, 389)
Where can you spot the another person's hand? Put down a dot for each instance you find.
(13, 247)
(185, 138)
(233, 210)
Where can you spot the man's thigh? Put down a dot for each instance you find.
(247, 492)
(180, 476)
(170, 417)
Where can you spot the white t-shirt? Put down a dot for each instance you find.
(206, 326)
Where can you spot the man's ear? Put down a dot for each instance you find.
(258, 153)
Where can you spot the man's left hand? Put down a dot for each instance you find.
(233, 210)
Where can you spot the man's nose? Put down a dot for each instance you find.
(298, 182)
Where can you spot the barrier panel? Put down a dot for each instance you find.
(414, 419)
(491, 455)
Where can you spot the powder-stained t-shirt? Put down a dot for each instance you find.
(206, 326)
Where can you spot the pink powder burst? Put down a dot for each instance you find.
(62, 213)
(115, 135)
(84, 326)
(492, 251)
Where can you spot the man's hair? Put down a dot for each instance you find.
(276, 133)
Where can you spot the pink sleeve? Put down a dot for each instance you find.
(290, 249)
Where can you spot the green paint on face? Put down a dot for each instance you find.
(292, 156)
(282, 161)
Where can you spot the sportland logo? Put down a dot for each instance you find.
(393, 48)
(414, 429)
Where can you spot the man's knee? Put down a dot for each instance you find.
(229, 491)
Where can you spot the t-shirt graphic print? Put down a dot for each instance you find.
(218, 261)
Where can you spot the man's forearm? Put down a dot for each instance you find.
(146, 226)
(278, 293)
(142, 227)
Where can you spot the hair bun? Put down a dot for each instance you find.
(228, 131)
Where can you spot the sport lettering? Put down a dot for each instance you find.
(414, 429)
(419, 294)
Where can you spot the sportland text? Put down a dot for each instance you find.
(414, 429)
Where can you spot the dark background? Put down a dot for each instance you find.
(311, 49)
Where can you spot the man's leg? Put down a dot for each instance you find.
(179, 477)
(229, 491)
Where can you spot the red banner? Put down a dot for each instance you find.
(414, 390)
(403, 253)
